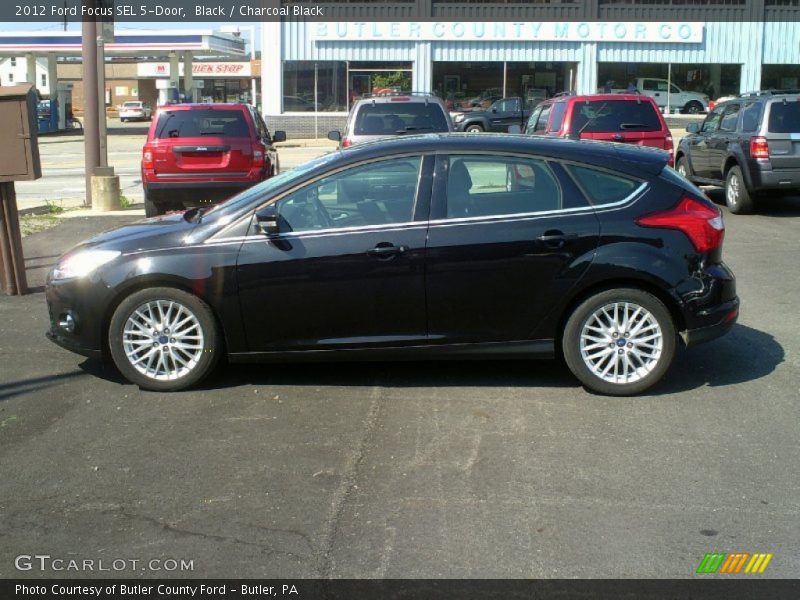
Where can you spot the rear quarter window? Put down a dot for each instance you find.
(784, 117)
(392, 118)
(602, 187)
(201, 123)
(603, 116)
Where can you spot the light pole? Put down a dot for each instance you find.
(237, 31)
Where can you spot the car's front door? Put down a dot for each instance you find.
(346, 267)
(698, 143)
(508, 237)
(505, 113)
(719, 141)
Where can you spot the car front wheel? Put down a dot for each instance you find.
(619, 342)
(163, 339)
(682, 167)
(693, 107)
(473, 129)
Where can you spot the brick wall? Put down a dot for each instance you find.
(298, 127)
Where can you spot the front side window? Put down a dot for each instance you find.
(531, 125)
(482, 186)
(713, 120)
(380, 193)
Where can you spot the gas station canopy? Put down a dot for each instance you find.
(131, 45)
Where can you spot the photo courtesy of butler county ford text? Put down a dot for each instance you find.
(427, 299)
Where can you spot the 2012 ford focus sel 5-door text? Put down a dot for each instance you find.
(450, 245)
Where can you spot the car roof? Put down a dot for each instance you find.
(386, 98)
(625, 158)
(207, 106)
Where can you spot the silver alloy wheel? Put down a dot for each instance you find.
(163, 340)
(621, 342)
(682, 169)
(732, 193)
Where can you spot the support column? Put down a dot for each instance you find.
(751, 69)
(271, 67)
(422, 77)
(188, 77)
(52, 77)
(587, 69)
(174, 76)
(91, 138)
(31, 74)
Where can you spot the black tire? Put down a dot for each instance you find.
(646, 373)
(682, 167)
(693, 107)
(121, 120)
(206, 358)
(152, 208)
(474, 128)
(737, 196)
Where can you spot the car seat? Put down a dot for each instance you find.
(459, 184)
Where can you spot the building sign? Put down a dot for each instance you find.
(663, 32)
(229, 70)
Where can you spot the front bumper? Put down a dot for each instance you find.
(71, 344)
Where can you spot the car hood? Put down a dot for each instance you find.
(150, 234)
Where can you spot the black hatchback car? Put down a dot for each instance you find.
(431, 246)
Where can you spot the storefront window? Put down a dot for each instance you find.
(712, 80)
(298, 86)
(371, 78)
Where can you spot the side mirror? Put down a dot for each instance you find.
(494, 110)
(267, 220)
(693, 127)
(515, 129)
(279, 136)
(335, 136)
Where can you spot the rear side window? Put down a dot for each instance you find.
(603, 187)
(390, 118)
(730, 118)
(751, 116)
(602, 116)
(558, 115)
(784, 117)
(201, 123)
(482, 186)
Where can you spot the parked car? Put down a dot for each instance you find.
(135, 111)
(201, 153)
(298, 104)
(661, 89)
(391, 115)
(426, 246)
(501, 115)
(750, 145)
(622, 118)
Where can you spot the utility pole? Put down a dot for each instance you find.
(91, 137)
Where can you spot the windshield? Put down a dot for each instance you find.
(390, 118)
(262, 191)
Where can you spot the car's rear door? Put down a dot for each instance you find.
(509, 236)
(213, 143)
(347, 268)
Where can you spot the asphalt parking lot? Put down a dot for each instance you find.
(457, 469)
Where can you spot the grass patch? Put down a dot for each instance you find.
(30, 224)
(53, 207)
(124, 201)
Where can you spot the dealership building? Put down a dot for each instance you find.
(312, 72)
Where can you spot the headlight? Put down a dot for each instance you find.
(459, 117)
(82, 263)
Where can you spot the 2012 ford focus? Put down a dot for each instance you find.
(420, 247)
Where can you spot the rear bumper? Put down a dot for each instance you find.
(722, 317)
(781, 179)
(173, 186)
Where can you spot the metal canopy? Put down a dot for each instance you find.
(136, 44)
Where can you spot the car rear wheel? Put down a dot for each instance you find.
(152, 207)
(693, 107)
(619, 342)
(163, 339)
(737, 197)
(473, 129)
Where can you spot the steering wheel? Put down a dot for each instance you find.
(321, 215)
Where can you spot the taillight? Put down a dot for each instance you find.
(347, 142)
(258, 155)
(701, 223)
(147, 158)
(759, 148)
(669, 146)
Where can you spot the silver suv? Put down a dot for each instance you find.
(383, 116)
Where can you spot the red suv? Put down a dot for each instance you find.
(625, 118)
(201, 153)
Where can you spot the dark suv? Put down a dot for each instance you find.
(624, 118)
(498, 117)
(750, 145)
(199, 153)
